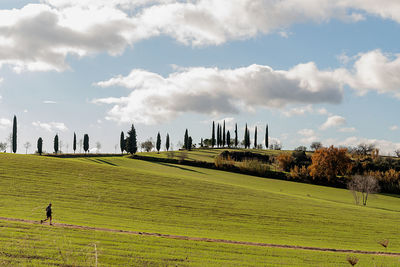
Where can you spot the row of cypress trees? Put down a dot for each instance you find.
(224, 138)
(56, 144)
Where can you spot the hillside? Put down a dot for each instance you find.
(121, 193)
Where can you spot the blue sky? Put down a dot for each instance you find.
(172, 73)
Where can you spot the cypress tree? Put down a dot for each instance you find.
(86, 143)
(190, 143)
(158, 142)
(74, 143)
(255, 138)
(228, 139)
(201, 142)
(248, 138)
(266, 137)
(56, 144)
(245, 136)
(213, 135)
(223, 136)
(131, 141)
(186, 140)
(167, 142)
(218, 135)
(122, 144)
(14, 135)
(236, 135)
(40, 145)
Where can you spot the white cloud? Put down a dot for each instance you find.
(306, 132)
(298, 111)
(394, 128)
(347, 130)
(4, 123)
(51, 126)
(46, 33)
(333, 121)
(214, 91)
(375, 71)
(309, 136)
(49, 102)
(386, 147)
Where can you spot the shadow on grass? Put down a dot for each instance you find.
(101, 161)
(178, 167)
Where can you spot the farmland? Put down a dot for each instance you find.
(126, 194)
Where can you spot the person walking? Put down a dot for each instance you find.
(48, 214)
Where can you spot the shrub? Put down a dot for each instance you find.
(300, 173)
(285, 161)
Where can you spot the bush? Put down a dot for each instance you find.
(299, 173)
(285, 161)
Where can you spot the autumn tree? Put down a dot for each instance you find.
(329, 162)
(285, 161)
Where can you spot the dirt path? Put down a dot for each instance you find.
(64, 225)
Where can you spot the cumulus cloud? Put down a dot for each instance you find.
(386, 147)
(308, 135)
(49, 102)
(394, 128)
(347, 130)
(46, 33)
(218, 91)
(4, 123)
(333, 121)
(50, 126)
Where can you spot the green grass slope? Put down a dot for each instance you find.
(122, 193)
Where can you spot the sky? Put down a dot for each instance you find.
(316, 70)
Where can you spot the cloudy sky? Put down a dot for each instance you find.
(316, 70)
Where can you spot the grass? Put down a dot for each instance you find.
(122, 193)
(35, 245)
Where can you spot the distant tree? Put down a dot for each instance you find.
(74, 143)
(186, 140)
(266, 137)
(248, 138)
(167, 143)
(223, 136)
(364, 149)
(255, 138)
(245, 136)
(56, 144)
(98, 146)
(301, 148)
(228, 139)
(131, 141)
(3, 146)
(363, 185)
(236, 136)
(218, 136)
(86, 143)
(207, 142)
(158, 142)
(122, 144)
(397, 152)
(148, 145)
(40, 145)
(190, 143)
(213, 135)
(275, 145)
(27, 145)
(14, 135)
(315, 146)
(327, 163)
(201, 142)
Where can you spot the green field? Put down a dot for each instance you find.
(121, 193)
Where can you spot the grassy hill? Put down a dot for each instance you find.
(121, 193)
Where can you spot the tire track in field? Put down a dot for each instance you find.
(203, 239)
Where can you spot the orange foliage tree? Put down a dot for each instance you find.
(285, 161)
(327, 163)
